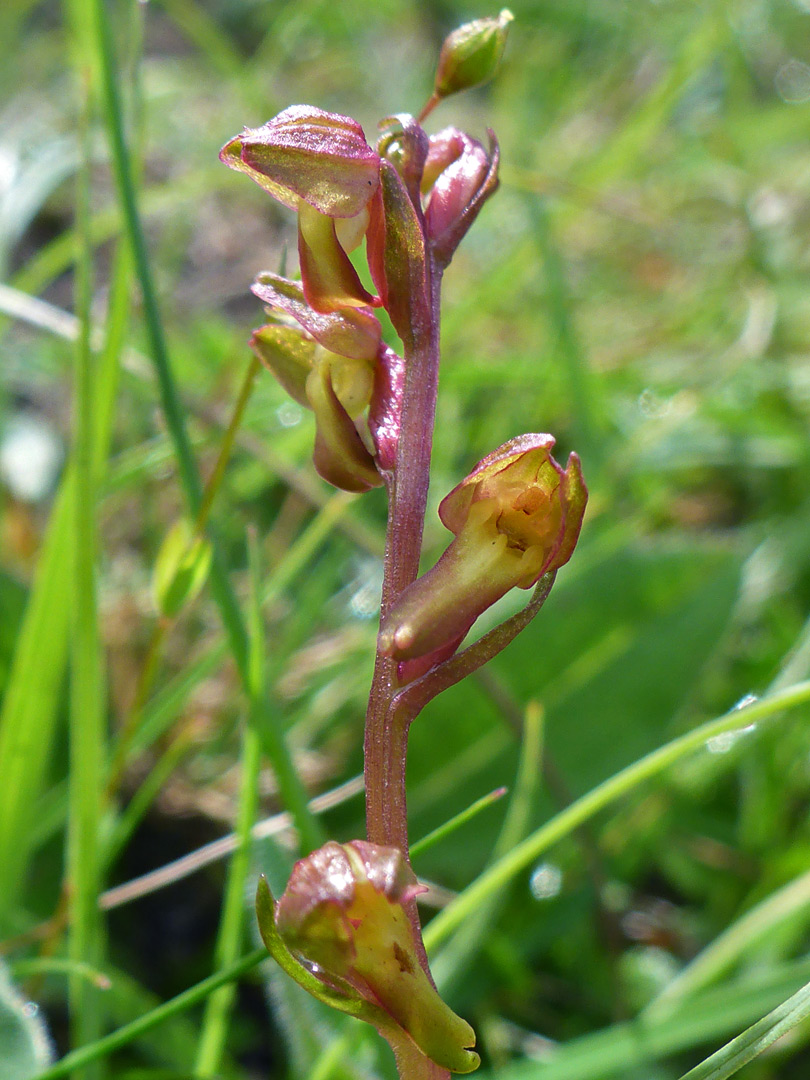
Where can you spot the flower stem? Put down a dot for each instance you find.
(387, 730)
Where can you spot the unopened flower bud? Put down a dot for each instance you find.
(405, 144)
(458, 177)
(343, 915)
(181, 568)
(471, 54)
(456, 187)
(516, 517)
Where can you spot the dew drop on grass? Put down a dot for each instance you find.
(722, 743)
(545, 881)
(744, 702)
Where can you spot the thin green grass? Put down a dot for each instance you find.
(169, 1009)
(88, 736)
(214, 1028)
(294, 794)
(618, 786)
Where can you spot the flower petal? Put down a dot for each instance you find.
(288, 354)
(340, 455)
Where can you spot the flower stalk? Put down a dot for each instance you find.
(347, 926)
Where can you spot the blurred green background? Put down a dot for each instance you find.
(639, 288)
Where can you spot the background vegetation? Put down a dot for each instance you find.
(638, 287)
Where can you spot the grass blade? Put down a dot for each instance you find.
(493, 879)
(219, 1005)
(731, 1057)
(87, 738)
(290, 784)
(116, 1039)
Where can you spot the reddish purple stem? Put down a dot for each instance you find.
(386, 733)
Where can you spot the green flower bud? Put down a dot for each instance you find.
(471, 55)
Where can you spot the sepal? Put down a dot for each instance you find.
(288, 354)
(340, 455)
(330, 281)
(307, 153)
(338, 389)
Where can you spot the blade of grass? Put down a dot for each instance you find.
(56, 257)
(162, 626)
(289, 782)
(219, 849)
(455, 956)
(648, 117)
(730, 946)
(159, 714)
(339, 1051)
(582, 395)
(214, 43)
(219, 1005)
(54, 320)
(187, 999)
(31, 702)
(629, 1048)
(33, 693)
(143, 797)
(87, 741)
(619, 785)
(41, 965)
(731, 1057)
(449, 827)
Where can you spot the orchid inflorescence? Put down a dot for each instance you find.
(347, 928)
